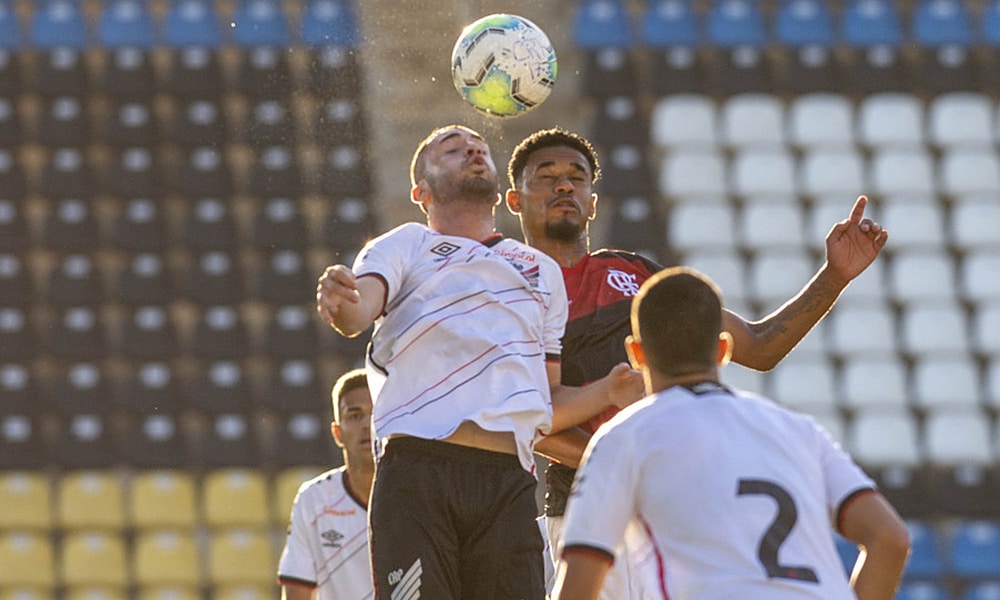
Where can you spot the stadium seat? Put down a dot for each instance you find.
(12, 39)
(193, 32)
(638, 222)
(283, 278)
(752, 120)
(17, 334)
(27, 501)
(17, 287)
(95, 592)
(756, 225)
(76, 281)
(71, 227)
(242, 592)
(127, 32)
(19, 391)
(280, 225)
(969, 171)
(221, 332)
(90, 500)
(291, 333)
(934, 328)
(330, 23)
(275, 172)
(22, 442)
(210, 225)
(737, 31)
(671, 32)
(973, 222)
(12, 177)
(80, 387)
(847, 551)
(199, 122)
(982, 590)
(921, 275)
(140, 225)
(944, 32)
(726, 267)
(926, 562)
(292, 386)
(28, 561)
(11, 128)
(804, 383)
(162, 499)
(830, 172)
(304, 440)
(155, 440)
(806, 28)
(960, 458)
(767, 173)
(962, 119)
(903, 172)
(220, 387)
(151, 387)
(696, 173)
(67, 174)
(234, 498)
(939, 382)
(163, 558)
(285, 487)
(205, 173)
(873, 382)
(214, 278)
(145, 280)
(58, 30)
(269, 122)
(743, 378)
(64, 122)
(134, 173)
(93, 558)
(334, 72)
(866, 329)
(230, 440)
(345, 172)
(681, 121)
(85, 440)
(693, 226)
(986, 321)
(776, 275)
(15, 233)
(916, 223)
(168, 592)
(873, 31)
(893, 119)
(977, 276)
(78, 333)
(131, 123)
(880, 437)
(348, 224)
(625, 170)
(340, 121)
(922, 590)
(261, 31)
(974, 551)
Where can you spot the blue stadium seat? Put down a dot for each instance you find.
(260, 29)
(330, 23)
(927, 555)
(192, 23)
(974, 551)
(260, 23)
(847, 550)
(737, 29)
(602, 24)
(922, 590)
(945, 33)
(126, 23)
(873, 31)
(983, 590)
(807, 29)
(11, 42)
(671, 30)
(59, 24)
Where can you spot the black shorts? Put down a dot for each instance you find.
(453, 522)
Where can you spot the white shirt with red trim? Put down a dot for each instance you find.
(327, 543)
(718, 494)
(466, 330)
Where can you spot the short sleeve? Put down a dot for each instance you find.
(556, 313)
(297, 562)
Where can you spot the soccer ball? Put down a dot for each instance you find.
(503, 65)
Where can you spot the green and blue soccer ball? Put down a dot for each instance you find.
(503, 65)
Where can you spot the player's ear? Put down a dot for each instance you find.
(593, 207)
(725, 349)
(335, 431)
(513, 202)
(419, 193)
(636, 355)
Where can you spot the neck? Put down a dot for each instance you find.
(657, 381)
(567, 253)
(360, 474)
(473, 221)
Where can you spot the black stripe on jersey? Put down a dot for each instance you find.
(600, 553)
(288, 580)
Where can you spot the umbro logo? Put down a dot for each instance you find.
(331, 538)
(445, 249)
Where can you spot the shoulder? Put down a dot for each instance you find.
(623, 258)
(317, 483)
(520, 252)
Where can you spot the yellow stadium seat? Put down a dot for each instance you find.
(90, 500)
(27, 560)
(168, 592)
(95, 593)
(163, 499)
(244, 592)
(93, 559)
(241, 557)
(26, 499)
(234, 498)
(286, 485)
(25, 593)
(166, 557)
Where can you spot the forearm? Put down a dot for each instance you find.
(872, 523)
(763, 344)
(580, 577)
(877, 574)
(574, 405)
(565, 447)
(291, 591)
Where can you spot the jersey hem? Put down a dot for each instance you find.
(600, 553)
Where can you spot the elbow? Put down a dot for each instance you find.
(892, 542)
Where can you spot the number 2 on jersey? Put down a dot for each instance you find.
(779, 530)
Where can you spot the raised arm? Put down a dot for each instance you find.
(870, 521)
(347, 303)
(851, 246)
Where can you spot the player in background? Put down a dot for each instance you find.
(719, 493)
(464, 370)
(326, 551)
(552, 175)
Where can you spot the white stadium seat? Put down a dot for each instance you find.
(684, 120)
(693, 173)
(832, 171)
(752, 120)
(960, 119)
(890, 119)
(873, 381)
(821, 120)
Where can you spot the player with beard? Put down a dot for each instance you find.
(551, 175)
(464, 372)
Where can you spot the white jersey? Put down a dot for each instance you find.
(718, 494)
(327, 544)
(464, 335)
